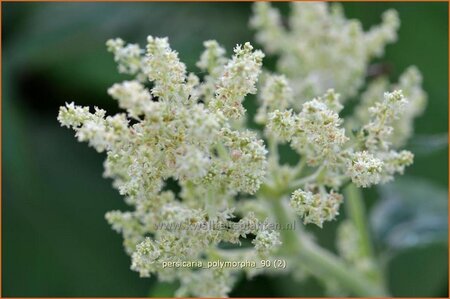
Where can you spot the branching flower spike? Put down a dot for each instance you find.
(179, 128)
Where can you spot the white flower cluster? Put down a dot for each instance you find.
(316, 208)
(275, 94)
(410, 82)
(365, 169)
(315, 131)
(238, 79)
(317, 134)
(186, 130)
(128, 57)
(175, 135)
(132, 96)
(101, 133)
(212, 61)
(321, 49)
(266, 241)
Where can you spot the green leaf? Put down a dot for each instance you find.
(419, 272)
(410, 222)
(412, 212)
(424, 145)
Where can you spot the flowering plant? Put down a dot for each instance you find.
(179, 127)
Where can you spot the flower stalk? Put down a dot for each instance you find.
(324, 264)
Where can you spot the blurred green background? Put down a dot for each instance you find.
(55, 239)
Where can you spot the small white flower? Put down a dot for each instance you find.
(129, 57)
(316, 208)
(364, 169)
(281, 125)
(267, 241)
(144, 257)
(275, 94)
(132, 96)
(383, 114)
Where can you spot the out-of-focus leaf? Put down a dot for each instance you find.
(428, 144)
(287, 286)
(163, 290)
(411, 212)
(410, 221)
(419, 272)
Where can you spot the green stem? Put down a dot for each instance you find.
(318, 260)
(273, 149)
(289, 237)
(222, 151)
(300, 182)
(317, 175)
(299, 167)
(325, 264)
(357, 213)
